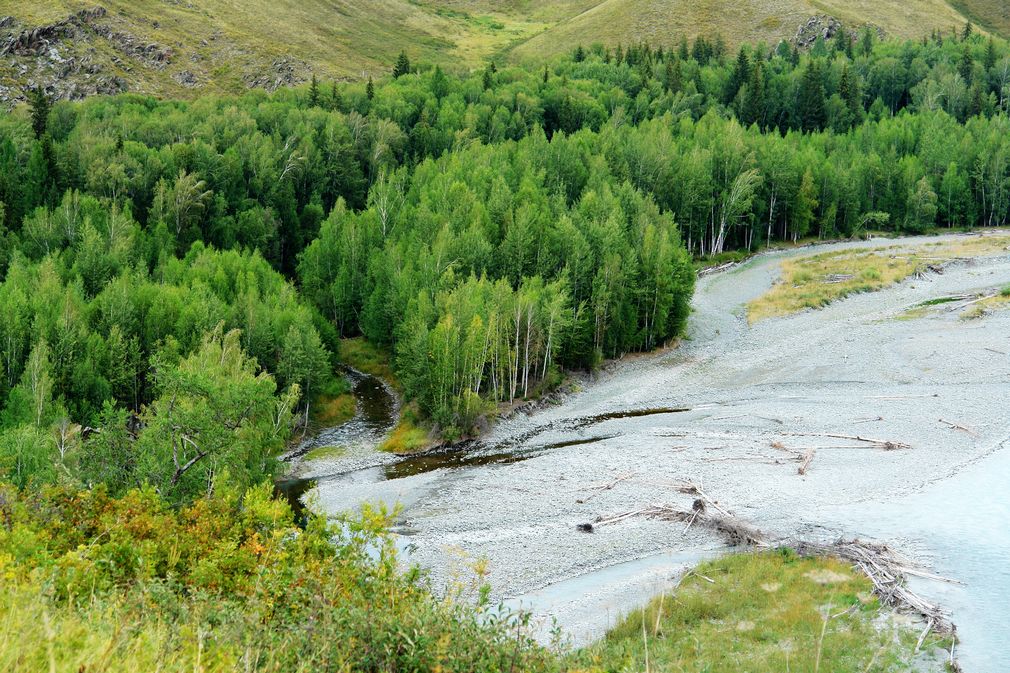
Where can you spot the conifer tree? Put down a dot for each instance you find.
(754, 98)
(40, 106)
(990, 55)
(739, 76)
(402, 66)
(967, 66)
(968, 30)
(810, 106)
(370, 89)
(314, 92)
(336, 100)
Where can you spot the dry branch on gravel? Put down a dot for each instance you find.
(955, 426)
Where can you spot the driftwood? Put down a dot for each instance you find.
(955, 426)
(808, 458)
(887, 445)
(600, 488)
(736, 531)
(886, 569)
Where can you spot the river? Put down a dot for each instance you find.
(711, 412)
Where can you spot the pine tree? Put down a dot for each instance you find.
(402, 66)
(739, 76)
(842, 42)
(370, 89)
(547, 74)
(968, 30)
(336, 100)
(754, 99)
(967, 66)
(682, 51)
(314, 92)
(580, 54)
(40, 106)
(674, 80)
(851, 93)
(866, 41)
(487, 78)
(990, 55)
(811, 108)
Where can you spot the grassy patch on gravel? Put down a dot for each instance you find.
(771, 611)
(368, 358)
(325, 452)
(818, 280)
(409, 436)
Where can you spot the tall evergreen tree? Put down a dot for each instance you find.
(866, 41)
(40, 106)
(336, 99)
(314, 92)
(370, 89)
(967, 66)
(967, 32)
(990, 55)
(739, 77)
(754, 101)
(810, 105)
(402, 66)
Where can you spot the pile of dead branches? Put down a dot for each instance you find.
(887, 569)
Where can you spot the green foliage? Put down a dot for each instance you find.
(226, 583)
(486, 230)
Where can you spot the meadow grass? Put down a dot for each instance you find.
(770, 611)
(817, 280)
(368, 358)
(410, 434)
(324, 452)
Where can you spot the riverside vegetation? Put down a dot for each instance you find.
(177, 278)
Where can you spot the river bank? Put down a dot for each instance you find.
(709, 412)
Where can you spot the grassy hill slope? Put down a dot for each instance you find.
(665, 21)
(173, 48)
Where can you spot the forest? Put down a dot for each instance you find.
(176, 277)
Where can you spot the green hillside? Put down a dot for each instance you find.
(171, 49)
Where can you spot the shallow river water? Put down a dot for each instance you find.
(712, 412)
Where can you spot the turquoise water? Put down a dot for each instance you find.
(962, 527)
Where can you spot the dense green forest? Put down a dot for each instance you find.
(175, 277)
(490, 230)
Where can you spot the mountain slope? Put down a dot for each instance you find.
(171, 48)
(665, 21)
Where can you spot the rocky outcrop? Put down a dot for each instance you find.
(826, 27)
(283, 72)
(37, 41)
(816, 26)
